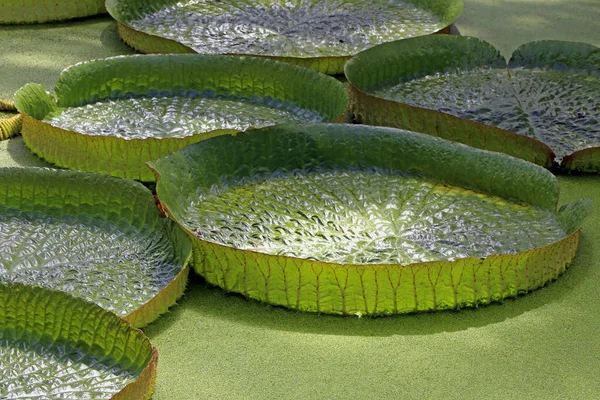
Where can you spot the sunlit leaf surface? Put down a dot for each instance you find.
(305, 28)
(548, 93)
(558, 108)
(113, 115)
(118, 267)
(352, 218)
(34, 370)
(363, 217)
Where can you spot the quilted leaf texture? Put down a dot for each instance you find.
(543, 107)
(96, 237)
(53, 345)
(316, 34)
(112, 116)
(354, 219)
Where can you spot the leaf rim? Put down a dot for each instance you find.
(133, 193)
(365, 105)
(41, 11)
(331, 65)
(119, 76)
(37, 298)
(242, 270)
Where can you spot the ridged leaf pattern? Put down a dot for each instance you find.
(556, 107)
(177, 116)
(118, 267)
(367, 217)
(303, 28)
(93, 236)
(360, 219)
(56, 346)
(38, 371)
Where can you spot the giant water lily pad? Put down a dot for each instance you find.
(10, 119)
(94, 236)
(35, 11)
(355, 219)
(55, 346)
(313, 33)
(113, 115)
(544, 108)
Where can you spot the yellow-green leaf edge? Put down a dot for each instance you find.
(390, 288)
(118, 77)
(10, 126)
(428, 55)
(124, 10)
(49, 316)
(48, 190)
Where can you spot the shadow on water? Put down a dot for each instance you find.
(573, 20)
(110, 38)
(14, 153)
(205, 301)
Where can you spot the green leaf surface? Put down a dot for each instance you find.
(176, 116)
(113, 115)
(368, 217)
(307, 29)
(279, 211)
(37, 11)
(96, 237)
(53, 345)
(548, 94)
(33, 100)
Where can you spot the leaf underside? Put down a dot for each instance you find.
(330, 218)
(555, 102)
(305, 29)
(53, 345)
(97, 247)
(10, 120)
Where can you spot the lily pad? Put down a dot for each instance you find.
(37, 11)
(356, 219)
(94, 236)
(113, 115)
(312, 33)
(53, 345)
(10, 119)
(545, 107)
